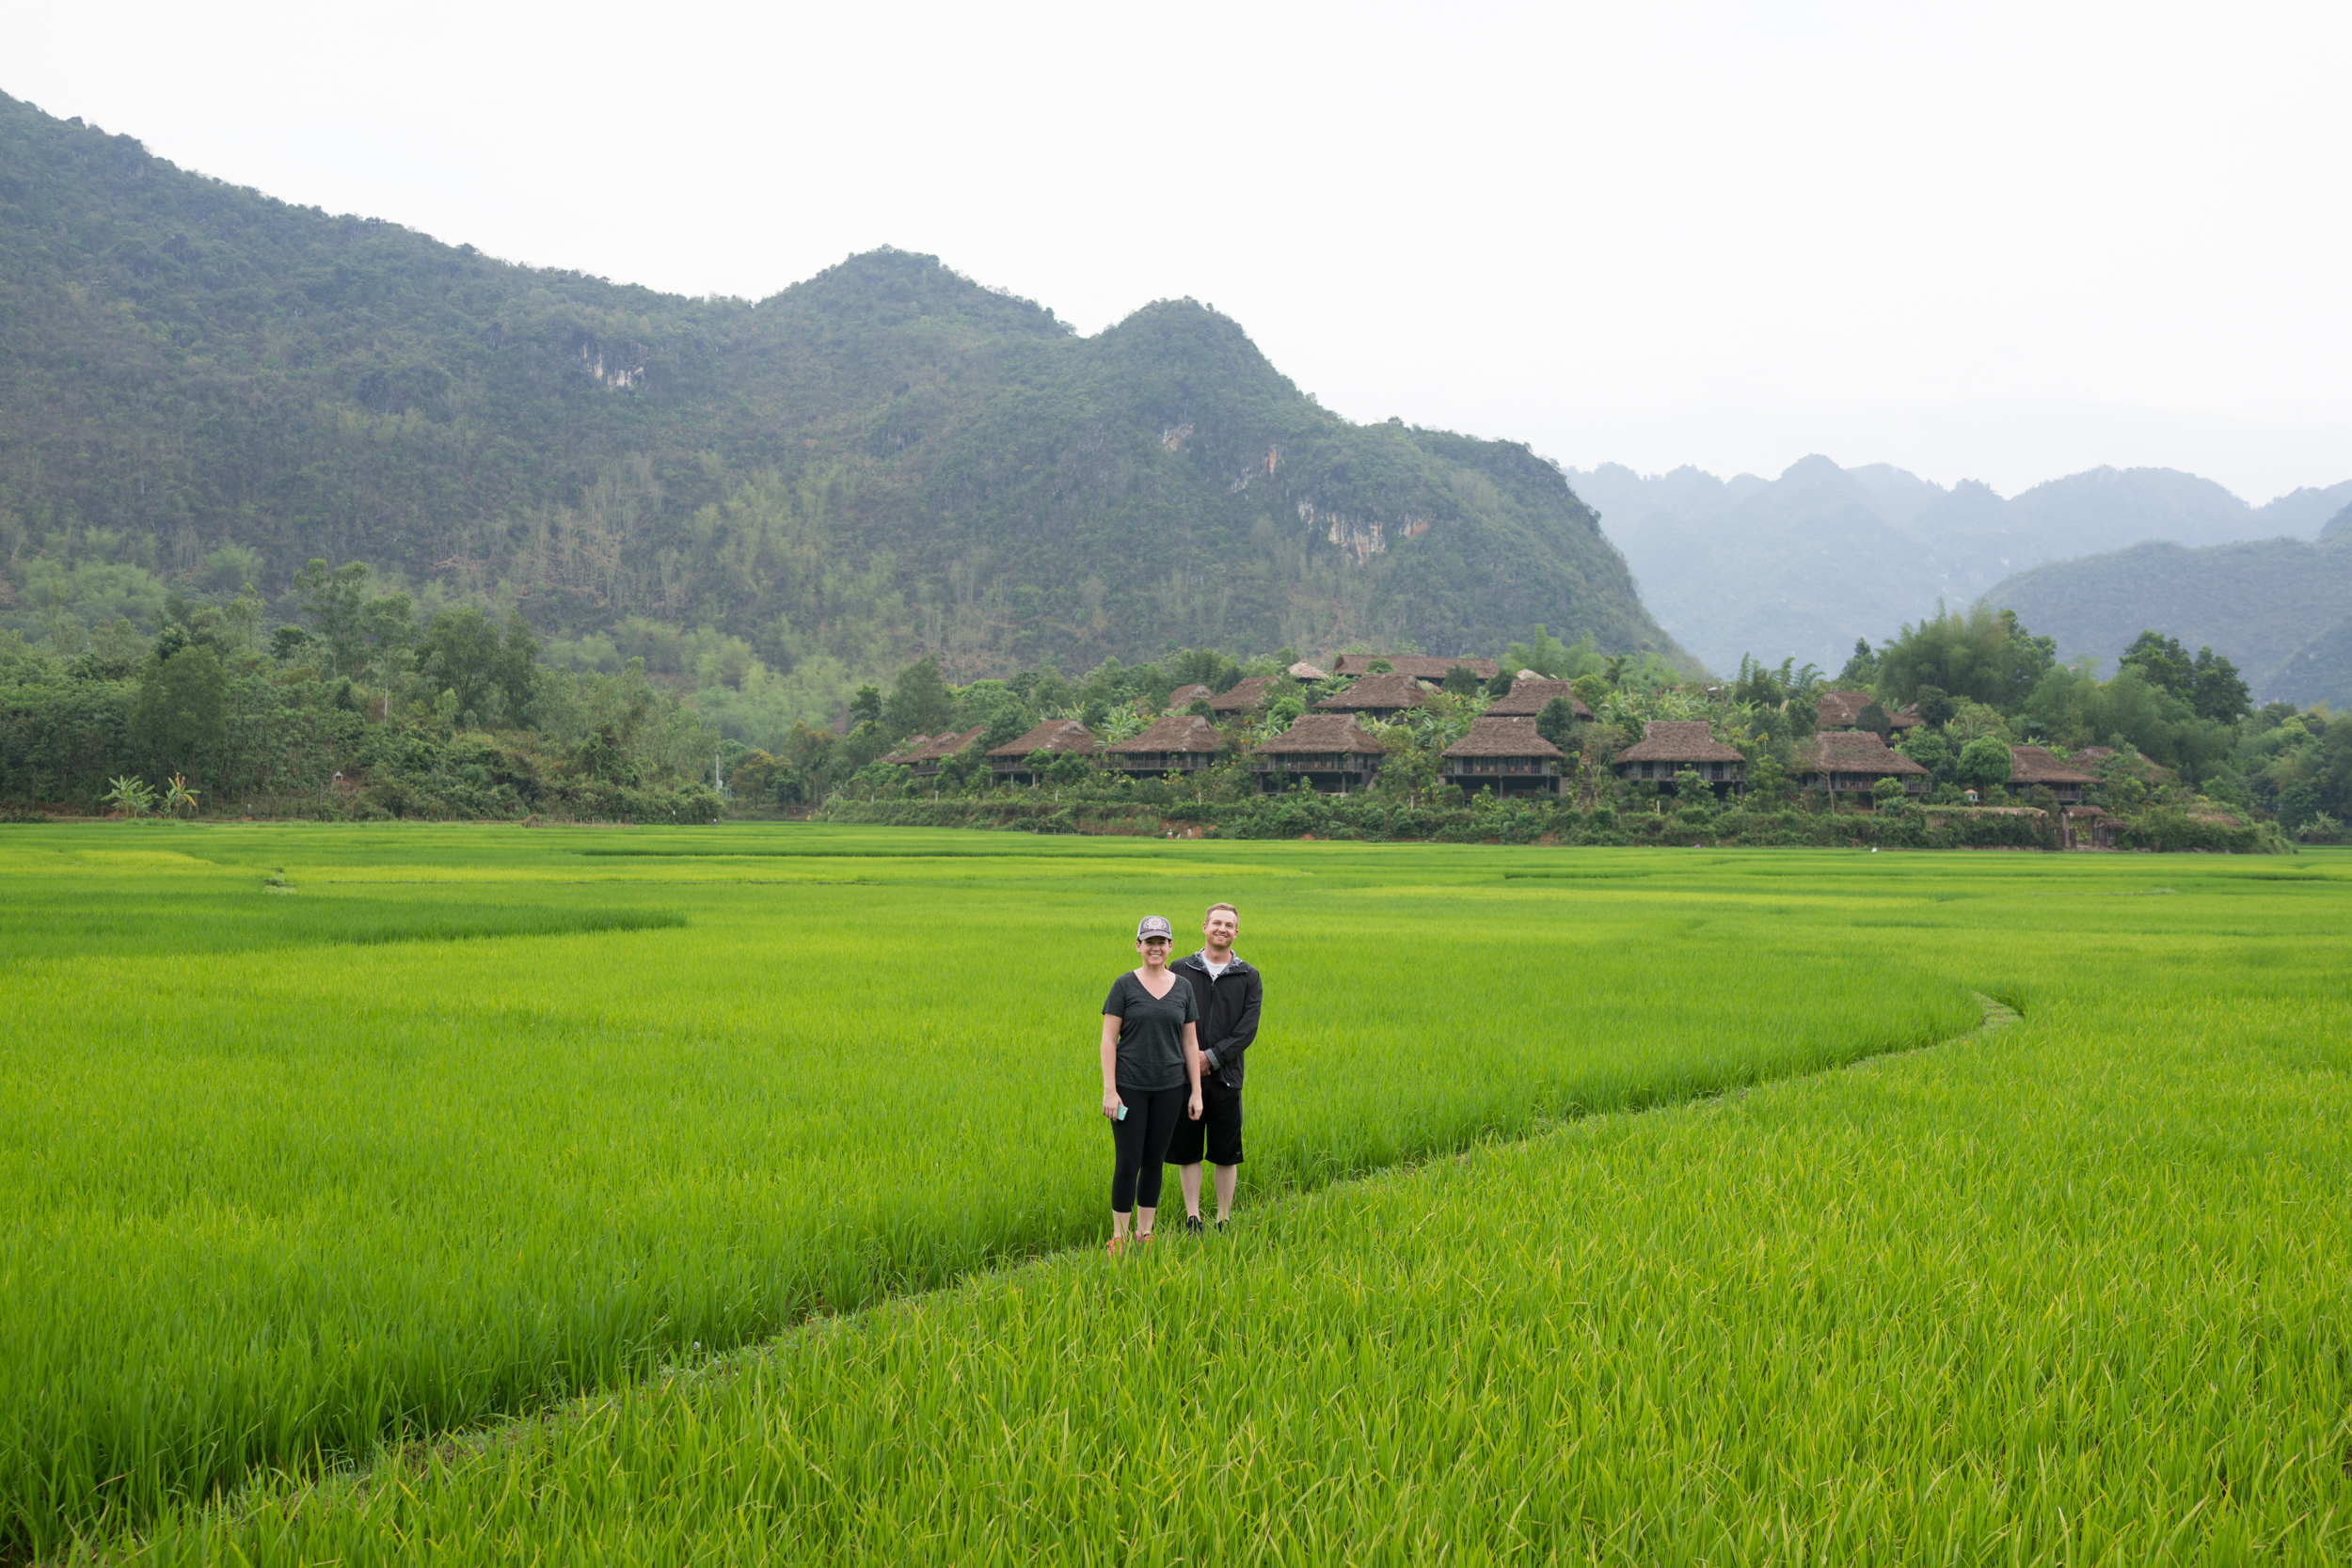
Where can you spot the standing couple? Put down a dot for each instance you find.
(1170, 1098)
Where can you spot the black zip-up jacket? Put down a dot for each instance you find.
(1229, 1014)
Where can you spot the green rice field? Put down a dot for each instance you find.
(411, 1193)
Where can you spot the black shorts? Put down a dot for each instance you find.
(1218, 1132)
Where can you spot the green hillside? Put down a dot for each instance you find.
(2275, 607)
(204, 386)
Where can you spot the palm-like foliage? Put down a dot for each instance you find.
(177, 794)
(133, 797)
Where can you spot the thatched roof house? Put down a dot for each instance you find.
(1852, 762)
(1505, 755)
(1329, 750)
(1302, 671)
(904, 754)
(1421, 667)
(2032, 766)
(1053, 735)
(1184, 696)
(1057, 737)
(1527, 699)
(1245, 696)
(1670, 745)
(926, 759)
(1178, 743)
(1378, 697)
(1843, 710)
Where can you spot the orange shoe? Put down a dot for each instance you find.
(1117, 1245)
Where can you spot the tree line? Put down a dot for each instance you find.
(360, 706)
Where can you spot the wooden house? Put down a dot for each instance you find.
(1670, 745)
(1843, 710)
(1178, 743)
(1851, 761)
(1504, 756)
(1528, 698)
(903, 756)
(2032, 766)
(1378, 697)
(1328, 750)
(1056, 737)
(1247, 696)
(1419, 666)
(925, 761)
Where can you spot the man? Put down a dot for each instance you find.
(1228, 991)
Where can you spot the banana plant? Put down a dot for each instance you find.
(177, 793)
(133, 797)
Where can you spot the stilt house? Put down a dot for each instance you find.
(1504, 756)
(1670, 745)
(1328, 750)
(1056, 738)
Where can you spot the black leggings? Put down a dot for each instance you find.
(1142, 1144)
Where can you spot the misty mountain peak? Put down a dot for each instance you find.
(1807, 563)
(1814, 470)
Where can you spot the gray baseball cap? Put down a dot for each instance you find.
(1155, 925)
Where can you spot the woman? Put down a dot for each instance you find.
(1150, 1052)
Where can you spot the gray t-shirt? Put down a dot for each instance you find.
(1151, 1032)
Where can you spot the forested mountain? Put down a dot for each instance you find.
(2281, 608)
(205, 387)
(1805, 563)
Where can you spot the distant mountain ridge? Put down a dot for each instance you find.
(1803, 564)
(2279, 609)
(202, 385)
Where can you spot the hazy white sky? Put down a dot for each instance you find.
(2004, 242)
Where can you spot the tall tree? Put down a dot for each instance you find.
(182, 711)
(460, 655)
(1985, 656)
(2219, 691)
(1983, 761)
(2162, 661)
(1935, 705)
(2209, 684)
(330, 597)
(1557, 724)
(516, 670)
(389, 627)
(920, 701)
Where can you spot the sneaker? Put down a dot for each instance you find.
(1192, 1224)
(1144, 1240)
(1220, 1224)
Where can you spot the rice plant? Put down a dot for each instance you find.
(321, 1176)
